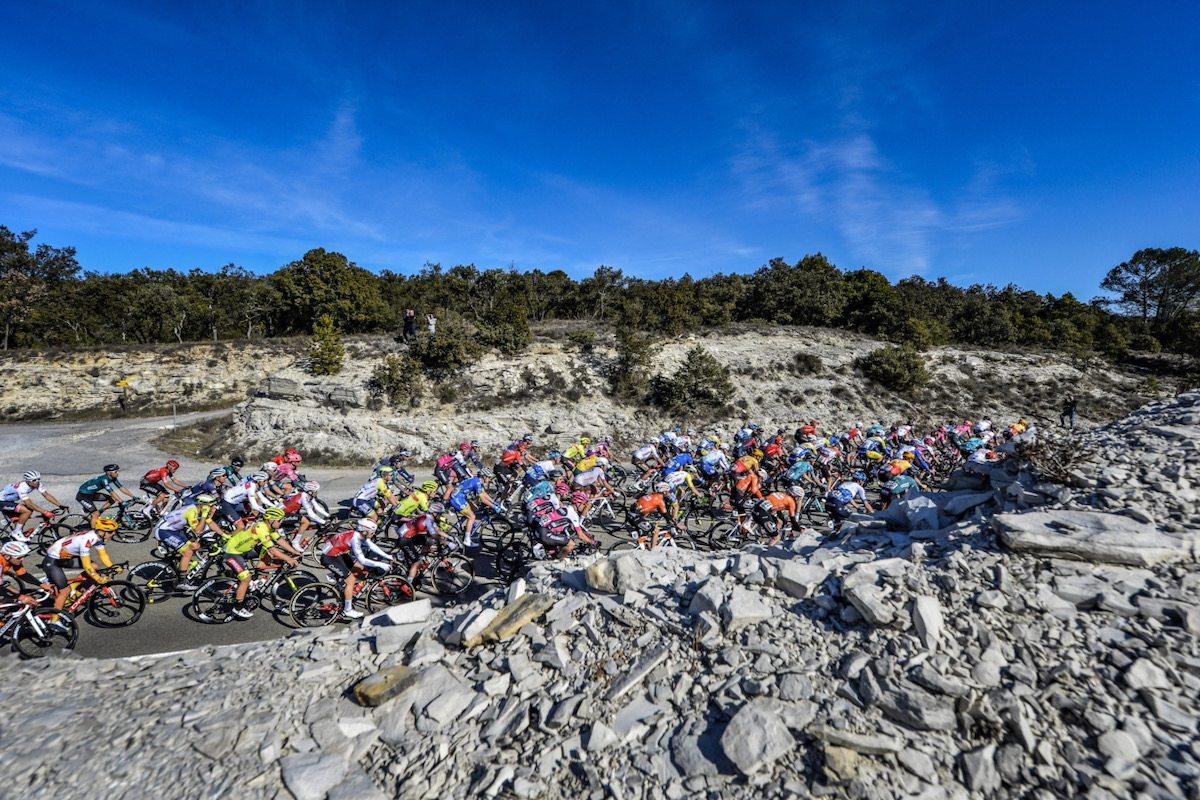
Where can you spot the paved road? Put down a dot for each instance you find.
(69, 453)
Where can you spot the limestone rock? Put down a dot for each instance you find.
(755, 737)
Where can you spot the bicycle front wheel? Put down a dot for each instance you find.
(45, 637)
(285, 588)
(315, 605)
(725, 536)
(154, 578)
(213, 602)
(452, 574)
(390, 590)
(116, 604)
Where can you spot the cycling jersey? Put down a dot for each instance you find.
(424, 525)
(16, 492)
(647, 504)
(102, 484)
(799, 471)
(315, 511)
(677, 463)
(847, 492)
(899, 485)
(156, 475)
(352, 541)
(714, 461)
(469, 488)
(590, 477)
(584, 464)
(415, 503)
(75, 546)
(777, 502)
(242, 542)
(575, 452)
(646, 453)
(680, 478)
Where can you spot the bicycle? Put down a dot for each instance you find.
(516, 554)
(214, 601)
(46, 532)
(643, 532)
(159, 578)
(112, 604)
(490, 529)
(741, 531)
(450, 571)
(319, 604)
(37, 632)
(133, 522)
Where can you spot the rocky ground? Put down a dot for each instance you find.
(1009, 638)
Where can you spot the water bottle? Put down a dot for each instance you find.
(539, 552)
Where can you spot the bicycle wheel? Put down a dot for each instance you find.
(72, 522)
(390, 590)
(154, 578)
(617, 475)
(452, 574)
(618, 501)
(213, 602)
(682, 540)
(285, 588)
(49, 534)
(492, 533)
(116, 604)
(511, 560)
(725, 536)
(628, 545)
(54, 638)
(312, 550)
(607, 516)
(315, 605)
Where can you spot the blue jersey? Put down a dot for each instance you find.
(677, 463)
(469, 488)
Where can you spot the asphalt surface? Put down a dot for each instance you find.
(70, 453)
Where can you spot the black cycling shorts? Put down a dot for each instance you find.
(552, 538)
(152, 489)
(90, 503)
(340, 566)
(53, 567)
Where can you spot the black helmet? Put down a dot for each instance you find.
(236, 463)
(112, 468)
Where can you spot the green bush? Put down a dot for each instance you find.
(635, 351)
(1144, 342)
(506, 328)
(585, 338)
(325, 348)
(399, 379)
(900, 369)
(701, 386)
(447, 351)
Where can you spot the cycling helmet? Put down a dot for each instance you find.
(396, 460)
(385, 471)
(859, 476)
(585, 441)
(557, 475)
(205, 499)
(562, 489)
(172, 464)
(273, 513)
(293, 458)
(485, 473)
(112, 467)
(32, 475)
(436, 508)
(213, 474)
(579, 497)
(15, 549)
(405, 453)
(105, 525)
(312, 487)
(237, 463)
(796, 490)
(367, 525)
(289, 451)
(662, 488)
(527, 437)
(270, 468)
(474, 443)
(910, 455)
(602, 461)
(259, 477)
(553, 455)
(429, 486)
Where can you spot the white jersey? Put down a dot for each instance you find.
(76, 545)
(16, 492)
(646, 453)
(369, 490)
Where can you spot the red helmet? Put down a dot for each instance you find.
(172, 465)
(289, 451)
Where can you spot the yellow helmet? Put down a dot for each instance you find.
(105, 524)
(583, 440)
(910, 455)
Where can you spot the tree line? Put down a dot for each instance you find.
(47, 299)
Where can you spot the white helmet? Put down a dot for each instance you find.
(662, 488)
(270, 467)
(259, 477)
(312, 486)
(603, 462)
(367, 525)
(32, 475)
(796, 490)
(15, 549)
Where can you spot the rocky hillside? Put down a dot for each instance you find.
(1012, 638)
(555, 390)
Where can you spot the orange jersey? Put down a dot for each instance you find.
(749, 484)
(649, 503)
(781, 502)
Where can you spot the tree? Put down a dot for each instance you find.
(1156, 286)
(701, 385)
(325, 348)
(27, 277)
(330, 284)
(810, 293)
(900, 369)
(506, 326)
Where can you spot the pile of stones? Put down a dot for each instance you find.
(1007, 639)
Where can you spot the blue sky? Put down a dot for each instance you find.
(1036, 143)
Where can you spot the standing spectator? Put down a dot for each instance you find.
(432, 320)
(1068, 411)
(410, 325)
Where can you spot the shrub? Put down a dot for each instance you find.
(1150, 387)
(900, 369)
(585, 338)
(700, 386)
(1145, 343)
(449, 350)
(399, 379)
(325, 349)
(506, 328)
(635, 351)
(806, 364)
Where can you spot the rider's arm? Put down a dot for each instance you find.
(360, 556)
(279, 555)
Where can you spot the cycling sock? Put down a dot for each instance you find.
(347, 605)
(18, 530)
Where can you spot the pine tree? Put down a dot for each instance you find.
(325, 348)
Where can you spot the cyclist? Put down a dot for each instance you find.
(216, 484)
(232, 474)
(473, 488)
(62, 555)
(651, 503)
(183, 528)
(244, 497)
(849, 496)
(714, 462)
(377, 494)
(593, 479)
(347, 552)
(311, 512)
(684, 459)
(577, 452)
(102, 489)
(554, 528)
(540, 469)
(12, 562)
(14, 499)
(417, 502)
(647, 459)
(418, 533)
(897, 487)
(157, 482)
(746, 486)
(778, 512)
(264, 536)
(682, 479)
